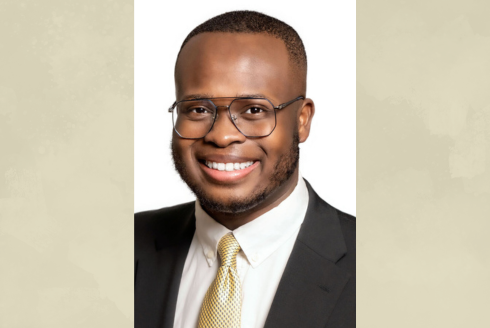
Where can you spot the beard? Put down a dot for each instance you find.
(284, 168)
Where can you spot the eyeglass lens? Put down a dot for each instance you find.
(252, 117)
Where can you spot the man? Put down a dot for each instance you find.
(258, 248)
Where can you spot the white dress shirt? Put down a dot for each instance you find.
(266, 244)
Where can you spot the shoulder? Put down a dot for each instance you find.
(162, 226)
(161, 217)
(348, 225)
(333, 230)
(347, 221)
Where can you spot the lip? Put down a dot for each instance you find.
(228, 176)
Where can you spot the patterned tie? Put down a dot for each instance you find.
(222, 304)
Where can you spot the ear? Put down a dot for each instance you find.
(305, 116)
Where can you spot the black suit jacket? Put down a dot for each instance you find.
(317, 288)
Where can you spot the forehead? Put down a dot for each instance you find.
(230, 64)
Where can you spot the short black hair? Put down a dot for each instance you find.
(246, 21)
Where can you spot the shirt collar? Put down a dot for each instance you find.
(261, 237)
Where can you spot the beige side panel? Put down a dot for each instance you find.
(66, 163)
(423, 163)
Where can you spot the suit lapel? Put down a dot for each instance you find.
(159, 273)
(311, 282)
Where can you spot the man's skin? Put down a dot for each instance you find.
(230, 65)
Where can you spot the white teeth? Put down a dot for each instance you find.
(228, 166)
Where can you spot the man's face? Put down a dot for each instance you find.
(231, 65)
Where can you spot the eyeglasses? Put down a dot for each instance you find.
(253, 117)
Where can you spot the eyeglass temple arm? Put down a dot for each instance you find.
(171, 108)
(281, 106)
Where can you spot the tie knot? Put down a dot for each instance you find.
(228, 248)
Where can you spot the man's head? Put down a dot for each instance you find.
(243, 54)
(251, 22)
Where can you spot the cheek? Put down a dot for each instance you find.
(283, 134)
(278, 144)
(182, 149)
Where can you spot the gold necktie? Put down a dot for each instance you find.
(222, 304)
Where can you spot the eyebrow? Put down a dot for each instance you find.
(209, 96)
(197, 96)
(253, 95)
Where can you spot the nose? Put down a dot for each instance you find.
(224, 132)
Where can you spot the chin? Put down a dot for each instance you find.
(230, 204)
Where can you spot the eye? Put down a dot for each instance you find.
(199, 110)
(254, 110)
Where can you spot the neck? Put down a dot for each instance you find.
(233, 221)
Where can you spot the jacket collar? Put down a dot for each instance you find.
(321, 230)
(312, 283)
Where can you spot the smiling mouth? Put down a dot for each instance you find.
(222, 172)
(229, 167)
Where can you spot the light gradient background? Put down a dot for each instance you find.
(327, 158)
(66, 165)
